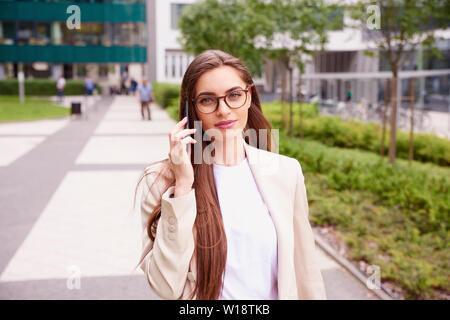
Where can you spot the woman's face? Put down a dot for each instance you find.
(218, 82)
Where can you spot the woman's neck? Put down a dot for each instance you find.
(229, 152)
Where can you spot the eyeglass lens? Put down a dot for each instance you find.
(234, 99)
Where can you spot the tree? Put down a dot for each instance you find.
(296, 29)
(404, 25)
(225, 25)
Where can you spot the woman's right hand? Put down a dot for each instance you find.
(179, 158)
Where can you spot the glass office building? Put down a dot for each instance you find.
(38, 33)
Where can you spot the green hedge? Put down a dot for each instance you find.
(367, 136)
(424, 190)
(43, 87)
(164, 92)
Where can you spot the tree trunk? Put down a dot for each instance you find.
(283, 96)
(300, 100)
(291, 112)
(411, 130)
(383, 127)
(393, 122)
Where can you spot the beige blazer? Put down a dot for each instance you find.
(170, 264)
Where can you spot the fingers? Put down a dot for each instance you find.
(181, 124)
(178, 126)
(174, 137)
(187, 140)
(180, 135)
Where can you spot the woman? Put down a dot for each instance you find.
(232, 224)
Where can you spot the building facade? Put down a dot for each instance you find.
(43, 35)
(140, 38)
(167, 60)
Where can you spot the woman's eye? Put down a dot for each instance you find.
(235, 95)
(205, 100)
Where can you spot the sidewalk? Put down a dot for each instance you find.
(67, 218)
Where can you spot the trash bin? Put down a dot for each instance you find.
(75, 108)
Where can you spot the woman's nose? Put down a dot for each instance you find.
(223, 107)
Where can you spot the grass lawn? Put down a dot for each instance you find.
(12, 110)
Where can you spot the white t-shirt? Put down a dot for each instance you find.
(251, 271)
(61, 83)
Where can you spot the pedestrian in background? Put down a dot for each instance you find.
(60, 86)
(133, 85)
(144, 94)
(123, 84)
(88, 86)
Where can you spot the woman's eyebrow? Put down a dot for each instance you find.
(213, 93)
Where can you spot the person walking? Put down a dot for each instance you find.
(226, 218)
(60, 86)
(145, 96)
(89, 86)
(133, 86)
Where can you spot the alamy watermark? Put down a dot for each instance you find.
(373, 21)
(256, 138)
(74, 279)
(74, 20)
(373, 282)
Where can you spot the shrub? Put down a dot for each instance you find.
(164, 92)
(42, 87)
(423, 191)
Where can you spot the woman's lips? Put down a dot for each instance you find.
(226, 125)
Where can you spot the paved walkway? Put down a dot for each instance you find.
(68, 228)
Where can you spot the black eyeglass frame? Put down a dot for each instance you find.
(247, 88)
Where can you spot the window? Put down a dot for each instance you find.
(7, 32)
(25, 33)
(173, 66)
(42, 33)
(67, 35)
(167, 66)
(129, 34)
(175, 14)
(103, 70)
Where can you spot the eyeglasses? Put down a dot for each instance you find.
(207, 103)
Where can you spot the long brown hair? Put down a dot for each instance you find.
(210, 239)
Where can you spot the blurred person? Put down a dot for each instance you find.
(348, 95)
(133, 86)
(60, 86)
(88, 86)
(123, 83)
(145, 96)
(226, 228)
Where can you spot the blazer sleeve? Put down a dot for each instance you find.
(166, 261)
(306, 266)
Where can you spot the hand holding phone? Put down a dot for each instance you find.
(178, 155)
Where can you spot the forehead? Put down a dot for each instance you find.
(219, 80)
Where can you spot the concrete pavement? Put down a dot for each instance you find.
(68, 227)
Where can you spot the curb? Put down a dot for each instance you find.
(382, 293)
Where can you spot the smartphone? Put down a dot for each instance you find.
(186, 126)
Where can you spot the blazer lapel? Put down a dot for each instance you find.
(266, 169)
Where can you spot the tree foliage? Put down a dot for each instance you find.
(404, 25)
(225, 25)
